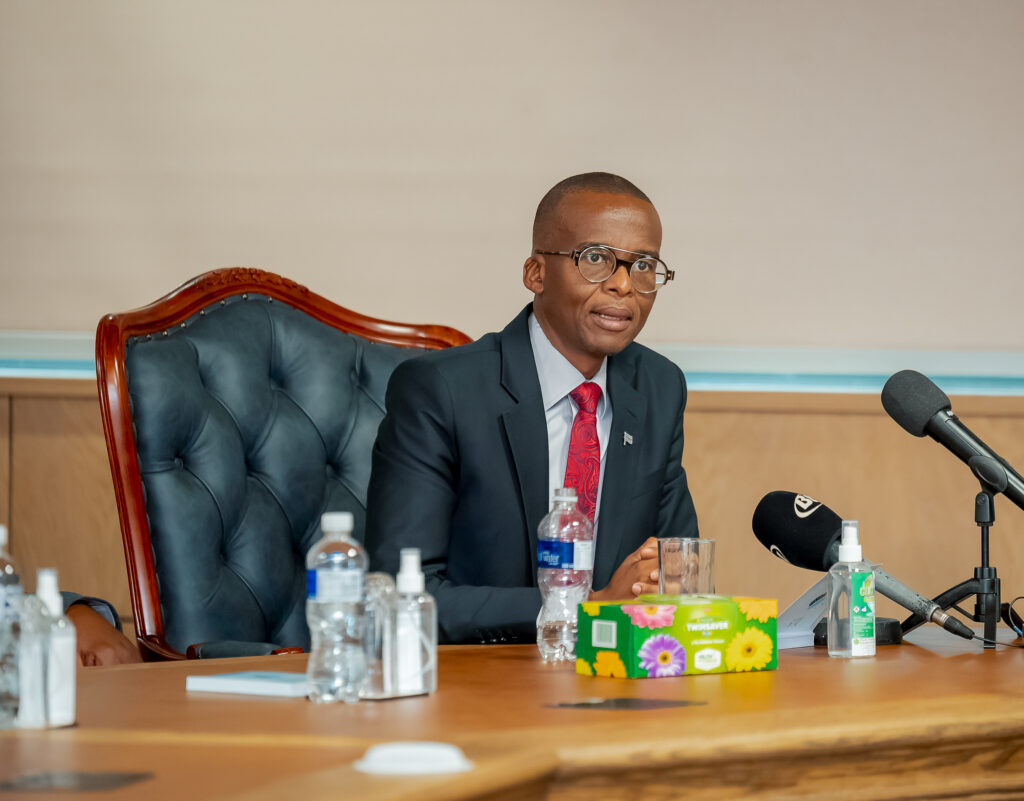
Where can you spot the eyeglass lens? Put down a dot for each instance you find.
(596, 264)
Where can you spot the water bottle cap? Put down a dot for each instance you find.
(563, 494)
(337, 522)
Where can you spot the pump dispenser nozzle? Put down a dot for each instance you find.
(849, 546)
(47, 592)
(410, 575)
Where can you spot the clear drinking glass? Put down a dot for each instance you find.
(381, 659)
(686, 566)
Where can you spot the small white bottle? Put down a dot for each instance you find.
(415, 629)
(62, 654)
(851, 605)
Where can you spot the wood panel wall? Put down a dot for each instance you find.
(914, 500)
(62, 510)
(63, 503)
(5, 461)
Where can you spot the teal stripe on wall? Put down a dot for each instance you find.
(866, 384)
(697, 380)
(40, 366)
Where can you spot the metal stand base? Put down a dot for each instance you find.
(985, 584)
(985, 587)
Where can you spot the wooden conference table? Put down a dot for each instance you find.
(933, 718)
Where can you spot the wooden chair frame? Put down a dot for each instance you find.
(157, 319)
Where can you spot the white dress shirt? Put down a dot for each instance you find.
(557, 379)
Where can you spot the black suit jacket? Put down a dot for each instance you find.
(460, 471)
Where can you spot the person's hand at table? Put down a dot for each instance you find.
(637, 575)
(99, 643)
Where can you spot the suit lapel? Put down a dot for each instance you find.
(525, 425)
(629, 410)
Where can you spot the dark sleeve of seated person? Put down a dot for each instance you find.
(414, 500)
(98, 628)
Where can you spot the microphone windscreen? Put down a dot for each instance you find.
(912, 399)
(797, 529)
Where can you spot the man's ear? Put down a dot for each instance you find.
(533, 274)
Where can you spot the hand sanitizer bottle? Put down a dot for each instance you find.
(851, 600)
(415, 629)
(62, 654)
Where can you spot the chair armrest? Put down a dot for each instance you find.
(224, 649)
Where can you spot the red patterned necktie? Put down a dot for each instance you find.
(583, 467)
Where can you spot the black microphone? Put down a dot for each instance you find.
(806, 533)
(920, 407)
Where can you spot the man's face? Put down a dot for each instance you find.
(584, 321)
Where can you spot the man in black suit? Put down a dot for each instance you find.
(475, 436)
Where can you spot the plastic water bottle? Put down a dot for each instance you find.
(10, 631)
(851, 599)
(565, 564)
(336, 612)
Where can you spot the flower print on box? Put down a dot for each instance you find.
(609, 663)
(650, 617)
(751, 649)
(759, 609)
(662, 655)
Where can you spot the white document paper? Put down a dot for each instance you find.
(797, 622)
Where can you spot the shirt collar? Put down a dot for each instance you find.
(557, 375)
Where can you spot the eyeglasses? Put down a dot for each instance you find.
(598, 263)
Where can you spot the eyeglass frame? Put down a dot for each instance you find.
(579, 250)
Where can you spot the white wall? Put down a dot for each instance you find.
(839, 174)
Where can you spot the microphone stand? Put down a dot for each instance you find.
(985, 584)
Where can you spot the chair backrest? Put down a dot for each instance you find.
(236, 410)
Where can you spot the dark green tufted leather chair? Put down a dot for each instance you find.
(236, 410)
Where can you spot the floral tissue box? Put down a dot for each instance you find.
(656, 636)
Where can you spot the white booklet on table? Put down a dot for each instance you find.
(251, 682)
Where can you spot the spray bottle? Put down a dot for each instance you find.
(851, 599)
(415, 629)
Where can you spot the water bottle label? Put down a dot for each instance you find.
(583, 555)
(10, 601)
(334, 586)
(559, 555)
(862, 612)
